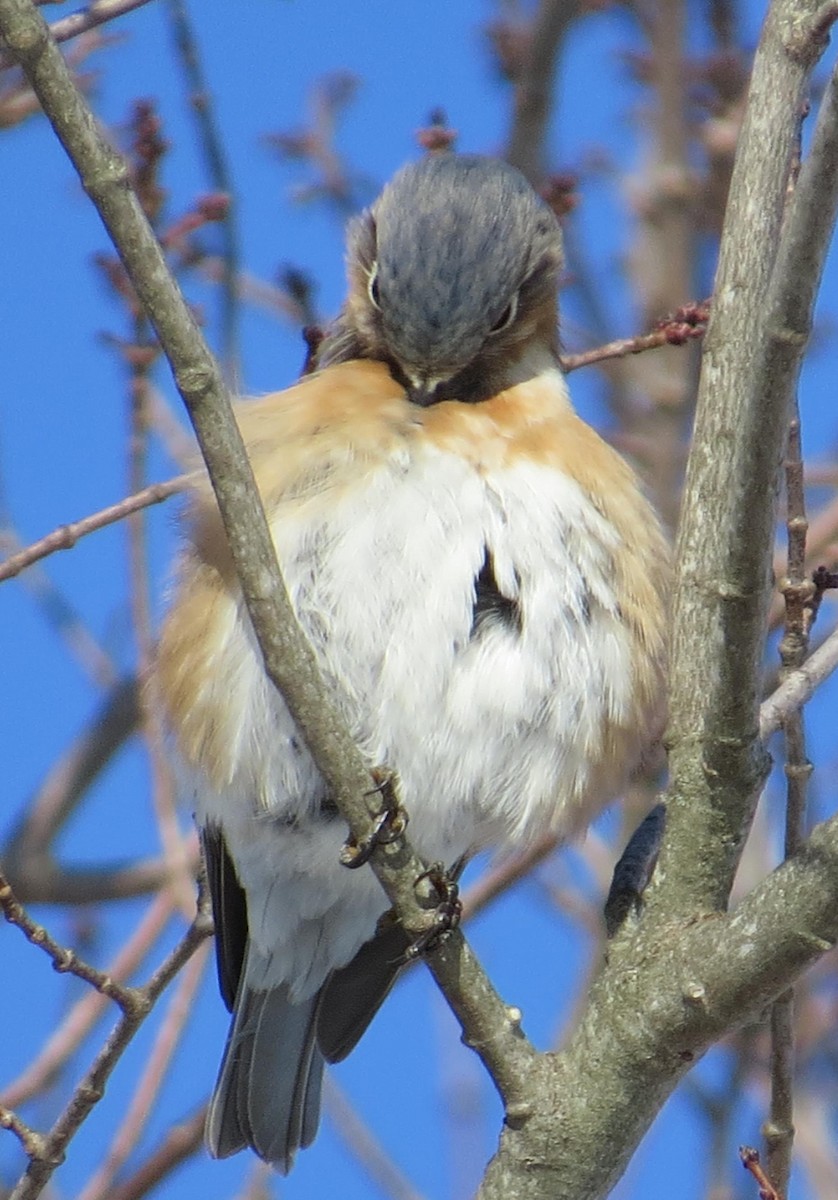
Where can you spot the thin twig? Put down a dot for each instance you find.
(32, 1142)
(100, 1186)
(96, 13)
(820, 544)
(63, 960)
(66, 536)
(749, 1158)
(86, 1011)
(139, 1003)
(686, 324)
(799, 687)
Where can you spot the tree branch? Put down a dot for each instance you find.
(685, 975)
(799, 687)
(758, 329)
(46, 1151)
(668, 992)
(84, 1014)
(534, 86)
(142, 1105)
(492, 1030)
(99, 12)
(66, 536)
(687, 323)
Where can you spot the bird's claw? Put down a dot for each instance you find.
(446, 915)
(388, 825)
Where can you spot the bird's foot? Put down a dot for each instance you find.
(388, 825)
(446, 915)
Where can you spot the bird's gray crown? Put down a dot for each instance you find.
(449, 247)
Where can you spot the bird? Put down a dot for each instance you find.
(484, 587)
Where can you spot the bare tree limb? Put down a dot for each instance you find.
(63, 960)
(668, 992)
(686, 974)
(47, 1150)
(492, 1029)
(86, 1012)
(758, 328)
(534, 86)
(98, 12)
(100, 1186)
(66, 536)
(798, 687)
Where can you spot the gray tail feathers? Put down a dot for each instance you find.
(268, 1090)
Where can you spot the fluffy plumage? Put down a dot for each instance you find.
(481, 580)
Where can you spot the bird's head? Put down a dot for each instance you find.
(453, 275)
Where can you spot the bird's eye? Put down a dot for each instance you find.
(373, 289)
(506, 318)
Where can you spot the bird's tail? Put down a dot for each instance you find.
(268, 1091)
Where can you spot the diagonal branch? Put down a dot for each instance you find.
(799, 686)
(98, 12)
(66, 536)
(289, 660)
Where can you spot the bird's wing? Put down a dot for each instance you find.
(229, 912)
(352, 995)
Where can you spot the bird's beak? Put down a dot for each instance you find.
(423, 396)
(422, 390)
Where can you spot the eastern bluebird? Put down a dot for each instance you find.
(483, 584)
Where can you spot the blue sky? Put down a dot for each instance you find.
(62, 454)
